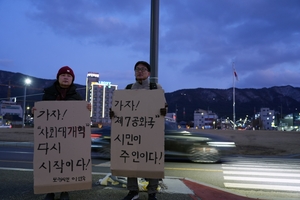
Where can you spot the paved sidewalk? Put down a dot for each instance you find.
(19, 185)
(177, 185)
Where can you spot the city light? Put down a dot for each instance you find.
(27, 82)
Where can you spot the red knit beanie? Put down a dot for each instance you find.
(65, 70)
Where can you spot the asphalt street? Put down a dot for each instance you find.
(18, 183)
(19, 186)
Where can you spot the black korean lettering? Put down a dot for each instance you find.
(43, 147)
(56, 147)
(119, 104)
(79, 178)
(52, 133)
(132, 138)
(119, 120)
(137, 138)
(81, 163)
(81, 131)
(55, 113)
(143, 121)
(62, 131)
(151, 122)
(41, 113)
(42, 132)
(72, 130)
(124, 155)
(70, 164)
(128, 137)
(62, 179)
(152, 156)
(43, 165)
(59, 164)
(144, 155)
(129, 104)
(118, 138)
(135, 155)
(135, 121)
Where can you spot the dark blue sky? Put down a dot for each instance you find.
(198, 40)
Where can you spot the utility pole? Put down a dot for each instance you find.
(154, 30)
(233, 93)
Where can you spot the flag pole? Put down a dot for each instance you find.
(233, 95)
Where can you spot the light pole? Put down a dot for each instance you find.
(27, 82)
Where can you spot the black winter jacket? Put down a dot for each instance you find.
(51, 93)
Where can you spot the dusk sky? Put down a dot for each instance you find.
(198, 40)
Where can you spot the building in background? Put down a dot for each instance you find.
(101, 95)
(92, 77)
(205, 119)
(10, 112)
(267, 118)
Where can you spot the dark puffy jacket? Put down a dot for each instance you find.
(51, 93)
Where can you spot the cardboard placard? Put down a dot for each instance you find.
(62, 146)
(137, 136)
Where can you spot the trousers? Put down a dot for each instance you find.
(132, 185)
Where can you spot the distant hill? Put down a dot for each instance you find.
(284, 99)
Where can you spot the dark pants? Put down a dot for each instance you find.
(132, 185)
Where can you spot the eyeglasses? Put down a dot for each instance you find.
(141, 69)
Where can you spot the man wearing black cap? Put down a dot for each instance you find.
(142, 72)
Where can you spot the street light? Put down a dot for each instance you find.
(27, 82)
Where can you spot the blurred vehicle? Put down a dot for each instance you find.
(101, 141)
(179, 143)
(5, 126)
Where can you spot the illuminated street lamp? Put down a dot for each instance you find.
(27, 82)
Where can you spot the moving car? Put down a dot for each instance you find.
(179, 143)
(5, 126)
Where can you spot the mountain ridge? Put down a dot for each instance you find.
(183, 102)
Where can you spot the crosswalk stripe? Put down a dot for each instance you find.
(266, 174)
(261, 169)
(264, 187)
(261, 173)
(256, 179)
(270, 166)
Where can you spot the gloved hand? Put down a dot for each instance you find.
(163, 111)
(111, 114)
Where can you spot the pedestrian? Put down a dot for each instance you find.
(62, 89)
(142, 73)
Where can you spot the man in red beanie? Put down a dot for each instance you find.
(65, 70)
(62, 89)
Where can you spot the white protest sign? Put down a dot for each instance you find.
(62, 146)
(137, 137)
